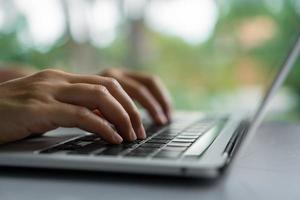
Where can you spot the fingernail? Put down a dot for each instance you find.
(141, 132)
(132, 135)
(118, 139)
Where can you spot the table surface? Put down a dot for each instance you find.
(269, 169)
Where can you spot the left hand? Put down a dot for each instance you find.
(147, 90)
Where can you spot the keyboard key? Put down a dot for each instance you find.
(83, 143)
(169, 137)
(89, 138)
(88, 149)
(100, 142)
(69, 146)
(179, 144)
(138, 154)
(188, 133)
(168, 154)
(151, 145)
(143, 150)
(183, 140)
(130, 145)
(159, 141)
(113, 150)
(187, 136)
(138, 141)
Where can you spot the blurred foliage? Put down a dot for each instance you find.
(203, 70)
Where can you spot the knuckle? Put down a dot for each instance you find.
(48, 73)
(106, 72)
(100, 90)
(82, 113)
(113, 83)
(109, 72)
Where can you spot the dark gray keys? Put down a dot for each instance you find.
(63, 147)
(141, 152)
(130, 145)
(171, 141)
(164, 137)
(159, 141)
(69, 146)
(137, 154)
(88, 138)
(83, 143)
(113, 150)
(152, 145)
(88, 149)
(143, 149)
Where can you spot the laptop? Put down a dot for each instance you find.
(194, 144)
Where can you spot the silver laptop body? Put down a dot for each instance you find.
(206, 157)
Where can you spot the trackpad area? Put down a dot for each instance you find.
(44, 141)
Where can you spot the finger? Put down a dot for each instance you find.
(157, 89)
(118, 93)
(67, 115)
(140, 93)
(98, 97)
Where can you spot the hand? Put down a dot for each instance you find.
(146, 90)
(50, 99)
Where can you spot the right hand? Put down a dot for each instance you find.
(50, 99)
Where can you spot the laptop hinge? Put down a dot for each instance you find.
(236, 138)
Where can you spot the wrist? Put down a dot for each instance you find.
(9, 74)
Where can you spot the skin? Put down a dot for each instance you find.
(101, 104)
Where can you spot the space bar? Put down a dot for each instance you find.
(203, 142)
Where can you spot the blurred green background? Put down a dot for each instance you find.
(211, 54)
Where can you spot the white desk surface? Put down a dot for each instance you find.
(270, 169)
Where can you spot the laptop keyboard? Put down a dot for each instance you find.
(179, 139)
